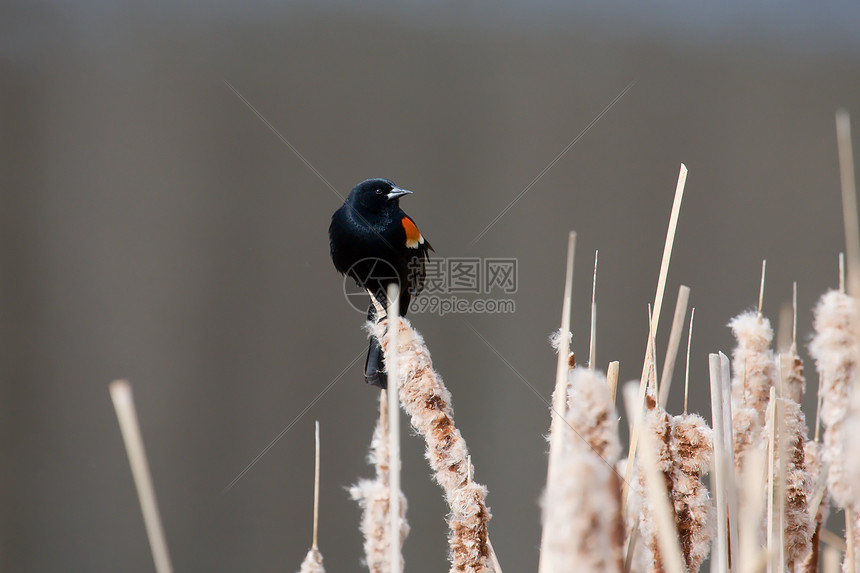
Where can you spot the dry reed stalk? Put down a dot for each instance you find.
(373, 496)
(123, 401)
(774, 483)
(558, 428)
(687, 360)
(654, 323)
(313, 562)
(612, 379)
(830, 560)
(592, 339)
(722, 440)
(752, 502)
(852, 540)
(849, 200)
(428, 403)
(674, 342)
(395, 557)
(582, 520)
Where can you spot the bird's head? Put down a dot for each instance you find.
(377, 195)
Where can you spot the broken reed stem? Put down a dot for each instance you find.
(658, 305)
(751, 508)
(392, 365)
(123, 401)
(612, 379)
(428, 403)
(674, 343)
(721, 461)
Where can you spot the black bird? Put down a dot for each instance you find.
(374, 242)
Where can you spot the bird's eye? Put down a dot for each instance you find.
(379, 191)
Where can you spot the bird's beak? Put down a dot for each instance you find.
(397, 192)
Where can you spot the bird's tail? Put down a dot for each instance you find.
(374, 366)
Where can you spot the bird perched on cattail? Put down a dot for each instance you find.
(374, 242)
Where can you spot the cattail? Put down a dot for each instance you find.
(798, 485)
(592, 414)
(372, 496)
(657, 422)
(754, 375)
(694, 511)
(313, 562)
(834, 350)
(582, 520)
(683, 455)
(428, 403)
(799, 525)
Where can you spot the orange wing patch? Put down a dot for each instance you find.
(413, 235)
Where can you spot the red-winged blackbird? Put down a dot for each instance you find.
(376, 243)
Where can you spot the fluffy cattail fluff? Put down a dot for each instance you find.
(313, 562)
(582, 520)
(798, 526)
(428, 404)
(754, 375)
(812, 459)
(372, 496)
(683, 455)
(834, 350)
(792, 368)
(691, 448)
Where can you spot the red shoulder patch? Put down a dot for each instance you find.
(413, 235)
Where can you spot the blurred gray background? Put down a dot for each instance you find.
(154, 228)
